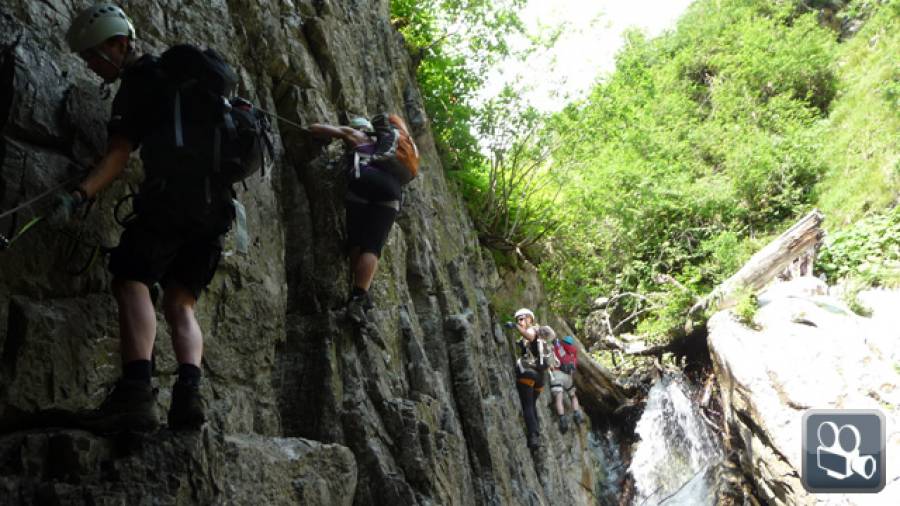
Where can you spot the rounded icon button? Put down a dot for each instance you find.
(827, 434)
(848, 438)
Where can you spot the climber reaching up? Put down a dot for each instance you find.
(373, 195)
(531, 364)
(195, 145)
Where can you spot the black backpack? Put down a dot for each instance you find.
(202, 137)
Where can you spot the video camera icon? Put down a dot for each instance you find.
(838, 452)
(843, 451)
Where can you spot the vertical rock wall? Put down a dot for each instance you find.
(423, 396)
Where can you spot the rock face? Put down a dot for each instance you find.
(809, 351)
(422, 397)
(71, 467)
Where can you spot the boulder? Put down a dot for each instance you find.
(807, 350)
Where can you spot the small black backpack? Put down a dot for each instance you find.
(203, 137)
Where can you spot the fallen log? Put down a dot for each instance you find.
(791, 254)
(635, 348)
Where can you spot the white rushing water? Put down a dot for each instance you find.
(674, 461)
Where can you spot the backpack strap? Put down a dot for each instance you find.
(227, 119)
(356, 160)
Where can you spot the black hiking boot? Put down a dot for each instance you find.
(579, 418)
(187, 411)
(534, 441)
(358, 306)
(563, 424)
(130, 406)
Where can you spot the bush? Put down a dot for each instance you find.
(700, 144)
(868, 251)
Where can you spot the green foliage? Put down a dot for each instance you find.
(668, 318)
(452, 42)
(493, 150)
(863, 128)
(868, 251)
(746, 307)
(511, 195)
(701, 144)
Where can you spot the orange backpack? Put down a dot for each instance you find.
(395, 151)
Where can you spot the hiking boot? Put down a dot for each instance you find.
(534, 441)
(130, 406)
(358, 306)
(187, 411)
(579, 418)
(563, 424)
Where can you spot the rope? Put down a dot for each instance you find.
(6, 243)
(296, 125)
(40, 196)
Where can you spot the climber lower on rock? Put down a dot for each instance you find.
(180, 215)
(531, 366)
(562, 375)
(372, 202)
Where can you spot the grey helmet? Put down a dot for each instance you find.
(96, 24)
(361, 123)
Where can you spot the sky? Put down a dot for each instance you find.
(587, 47)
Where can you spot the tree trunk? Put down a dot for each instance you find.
(791, 254)
(596, 387)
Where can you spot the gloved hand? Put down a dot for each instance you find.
(65, 205)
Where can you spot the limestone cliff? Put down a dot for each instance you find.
(418, 407)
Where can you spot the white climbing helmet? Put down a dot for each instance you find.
(361, 123)
(524, 312)
(96, 24)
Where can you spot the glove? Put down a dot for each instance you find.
(64, 207)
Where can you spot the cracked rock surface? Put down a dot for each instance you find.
(416, 407)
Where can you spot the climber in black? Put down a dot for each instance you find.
(531, 365)
(372, 201)
(175, 236)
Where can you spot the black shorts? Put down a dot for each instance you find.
(150, 255)
(368, 226)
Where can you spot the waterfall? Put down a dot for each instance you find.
(676, 458)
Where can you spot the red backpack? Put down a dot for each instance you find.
(567, 355)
